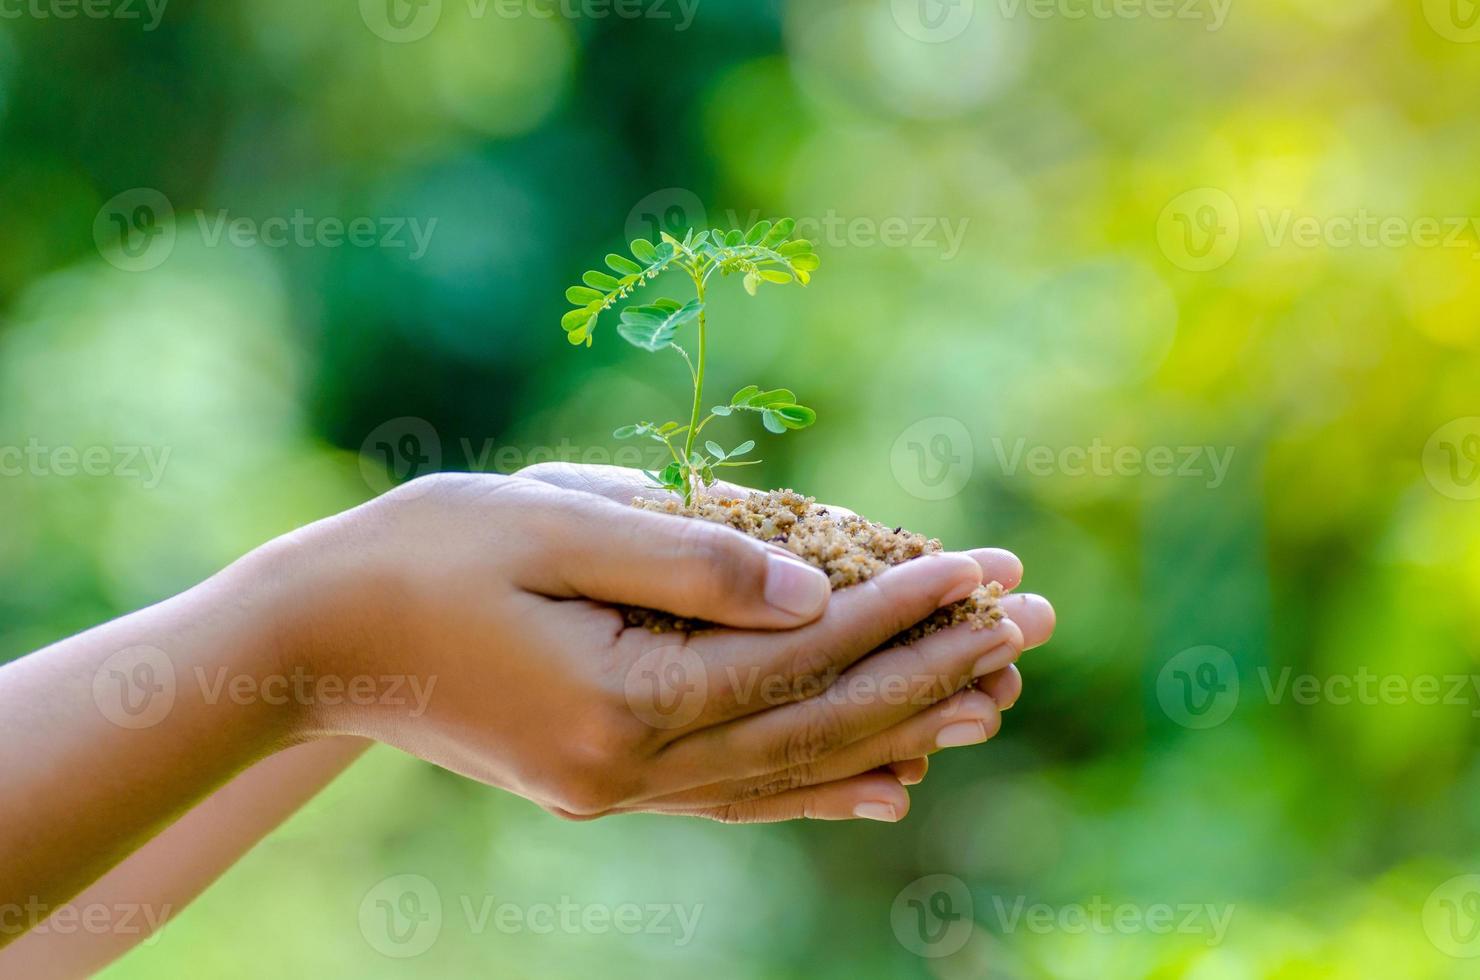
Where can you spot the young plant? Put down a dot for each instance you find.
(766, 254)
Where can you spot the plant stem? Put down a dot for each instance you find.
(691, 489)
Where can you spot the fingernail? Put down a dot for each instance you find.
(876, 811)
(995, 659)
(961, 733)
(795, 587)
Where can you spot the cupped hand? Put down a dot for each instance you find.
(499, 594)
(620, 484)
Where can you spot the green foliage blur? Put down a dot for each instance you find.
(1181, 307)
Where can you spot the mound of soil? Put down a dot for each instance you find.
(850, 549)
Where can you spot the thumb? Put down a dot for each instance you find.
(689, 567)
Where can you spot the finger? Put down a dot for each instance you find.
(1000, 566)
(910, 772)
(967, 718)
(1004, 686)
(878, 693)
(872, 796)
(1034, 616)
(749, 672)
(597, 549)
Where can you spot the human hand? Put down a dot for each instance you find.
(621, 484)
(498, 590)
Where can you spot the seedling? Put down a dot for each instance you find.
(766, 254)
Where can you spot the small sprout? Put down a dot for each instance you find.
(766, 254)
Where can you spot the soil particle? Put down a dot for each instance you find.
(848, 548)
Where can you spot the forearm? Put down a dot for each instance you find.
(109, 736)
(159, 879)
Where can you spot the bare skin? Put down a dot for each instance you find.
(493, 594)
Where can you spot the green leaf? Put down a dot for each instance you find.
(601, 281)
(734, 237)
(752, 283)
(622, 264)
(773, 422)
(779, 232)
(796, 416)
(583, 295)
(774, 275)
(806, 262)
(672, 476)
(722, 411)
(798, 247)
(757, 232)
(644, 251)
(625, 432)
(743, 395)
(713, 448)
(772, 398)
(576, 318)
(741, 449)
(652, 327)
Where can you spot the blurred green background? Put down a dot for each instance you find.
(1177, 299)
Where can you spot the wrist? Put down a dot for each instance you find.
(286, 599)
